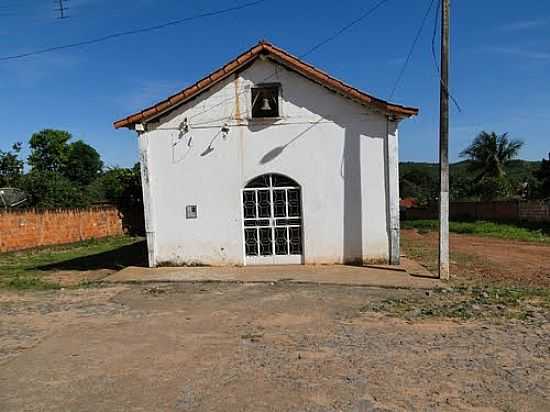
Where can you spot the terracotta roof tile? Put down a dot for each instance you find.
(283, 58)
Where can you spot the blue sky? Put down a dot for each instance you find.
(500, 64)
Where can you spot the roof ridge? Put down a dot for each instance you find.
(305, 69)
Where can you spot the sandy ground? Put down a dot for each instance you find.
(527, 263)
(260, 347)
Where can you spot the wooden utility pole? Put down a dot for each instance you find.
(61, 9)
(444, 145)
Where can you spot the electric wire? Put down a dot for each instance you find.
(320, 44)
(315, 47)
(78, 11)
(436, 64)
(345, 27)
(133, 32)
(411, 50)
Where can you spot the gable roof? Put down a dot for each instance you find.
(280, 56)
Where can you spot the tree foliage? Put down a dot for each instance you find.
(489, 153)
(82, 163)
(50, 190)
(492, 188)
(48, 150)
(489, 173)
(121, 186)
(67, 174)
(11, 167)
(419, 182)
(543, 175)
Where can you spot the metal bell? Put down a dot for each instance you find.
(265, 105)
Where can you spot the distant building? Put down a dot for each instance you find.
(269, 160)
(407, 203)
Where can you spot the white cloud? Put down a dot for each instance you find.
(149, 92)
(30, 72)
(520, 52)
(523, 25)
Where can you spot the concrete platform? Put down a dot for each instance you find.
(408, 275)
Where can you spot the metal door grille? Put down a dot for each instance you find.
(272, 212)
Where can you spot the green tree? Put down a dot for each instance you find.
(418, 181)
(62, 172)
(48, 150)
(543, 175)
(121, 186)
(11, 167)
(489, 153)
(460, 186)
(82, 163)
(492, 188)
(50, 190)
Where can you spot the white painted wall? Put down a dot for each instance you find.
(333, 147)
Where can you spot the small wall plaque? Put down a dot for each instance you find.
(191, 211)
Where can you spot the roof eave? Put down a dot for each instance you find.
(245, 58)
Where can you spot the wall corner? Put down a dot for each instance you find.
(148, 209)
(392, 161)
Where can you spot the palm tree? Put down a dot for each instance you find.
(490, 152)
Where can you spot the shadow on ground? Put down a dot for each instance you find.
(130, 255)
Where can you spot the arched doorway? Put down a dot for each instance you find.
(272, 213)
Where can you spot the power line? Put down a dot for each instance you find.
(132, 32)
(317, 46)
(411, 50)
(31, 10)
(61, 9)
(436, 65)
(36, 14)
(434, 34)
(345, 28)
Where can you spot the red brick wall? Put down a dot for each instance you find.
(31, 228)
(506, 210)
(535, 211)
(498, 210)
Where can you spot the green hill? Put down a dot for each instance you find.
(420, 179)
(515, 169)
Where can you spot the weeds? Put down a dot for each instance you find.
(483, 228)
(21, 282)
(470, 303)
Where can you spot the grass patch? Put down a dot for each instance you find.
(524, 304)
(427, 255)
(530, 233)
(22, 282)
(28, 269)
(471, 267)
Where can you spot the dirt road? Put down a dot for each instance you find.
(485, 258)
(262, 347)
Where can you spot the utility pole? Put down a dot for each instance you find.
(444, 145)
(61, 9)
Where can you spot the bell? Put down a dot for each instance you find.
(265, 105)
